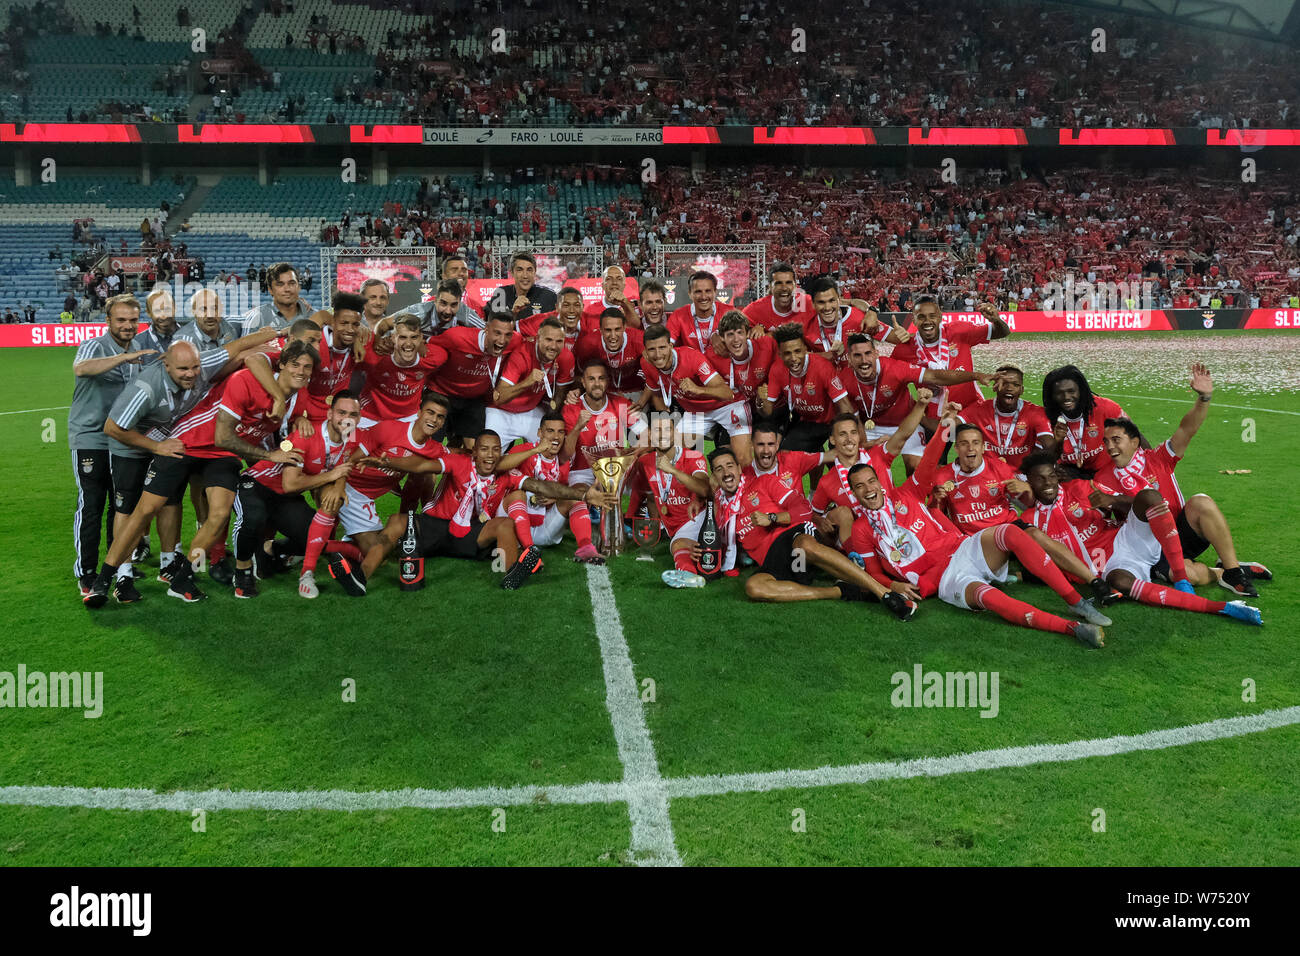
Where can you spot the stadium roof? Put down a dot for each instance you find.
(1266, 19)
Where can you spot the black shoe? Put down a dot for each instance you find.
(85, 582)
(142, 552)
(1104, 594)
(267, 565)
(97, 596)
(184, 587)
(165, 574)
(348, 575)
(245, 583)
(223, 571)
(851, 592)
(1254, 571)
(1236, 581)
(901, 607)
(125, 591)
(522, 570)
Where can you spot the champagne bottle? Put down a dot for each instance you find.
(411, 564)
(710, 544)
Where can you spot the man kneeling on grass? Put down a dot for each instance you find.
(786, 554)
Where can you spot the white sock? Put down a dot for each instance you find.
(123, 571)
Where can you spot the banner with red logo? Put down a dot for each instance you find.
(479, 291)
(71, 333)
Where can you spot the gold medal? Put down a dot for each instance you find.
(483, 517)
(869, 425)
(286, 445)
(895, 556)
(329, 399)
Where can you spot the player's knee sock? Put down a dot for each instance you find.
(580, 523)
(1019, 613)
(1157, 595)
(683, 561)
(345, 548)
(518, 512)
(1165, 529)
(318, 535)
(1035, 559)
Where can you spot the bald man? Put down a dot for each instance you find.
(614, 296)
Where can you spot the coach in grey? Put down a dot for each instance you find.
(208, 330)
(286, 307)
(103, 367)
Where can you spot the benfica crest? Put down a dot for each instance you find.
(670, 286)
(1207, 319)
(645, 531)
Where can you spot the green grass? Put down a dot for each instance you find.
(462, 685)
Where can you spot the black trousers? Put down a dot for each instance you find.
(94, 490)
(258, 509)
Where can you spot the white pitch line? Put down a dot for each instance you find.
(715, 784)
(29, 411)
(647, 805)
(109, 798)
(1213, 405)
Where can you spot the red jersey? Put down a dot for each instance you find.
(905, 540)
(603, 435)
(787, 475)
(624, 364)
(1074, 522)
(319, 454)
(822, 338)
(540, 466)
(1085, 441)
(687, 364)
(951, 351)
(521, 364)
(466, 493)
(393, 391)
(333, 373)
(884, 400)
(591, 313)
(735, 513)
(529, 327)
(980, 499)
(1149, 468)
(391, 438)
(673, 497)
(833, 489)
(813, 393)
(763, 312)
(1011, 437)
(744, 376)
(244, 398)
(689, 330)
(469, 372)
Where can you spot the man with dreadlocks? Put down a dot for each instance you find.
(1078, 420)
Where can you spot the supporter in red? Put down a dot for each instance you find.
(620, 348)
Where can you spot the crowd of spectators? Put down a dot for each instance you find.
(997, 235)
(771, 62)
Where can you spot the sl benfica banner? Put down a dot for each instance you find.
(71, 333)
(1150, 320)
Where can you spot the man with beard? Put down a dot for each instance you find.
(808, 386)
(620, 349)
(162, 325)
(286, 305)
(1013, 427)
(536, 379)
(786, 303)
(652, 300)
(1078, 421)
(475, 359)
(695, 326)
(208, 330)
(946, 345)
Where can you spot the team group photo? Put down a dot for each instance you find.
(452, 433)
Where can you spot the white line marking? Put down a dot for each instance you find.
(29, 411)
(1213, 405)
(983, 759)
(652, 827)
(109, 798)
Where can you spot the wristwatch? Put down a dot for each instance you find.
(771, 516)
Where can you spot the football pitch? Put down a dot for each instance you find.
(597, 718)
